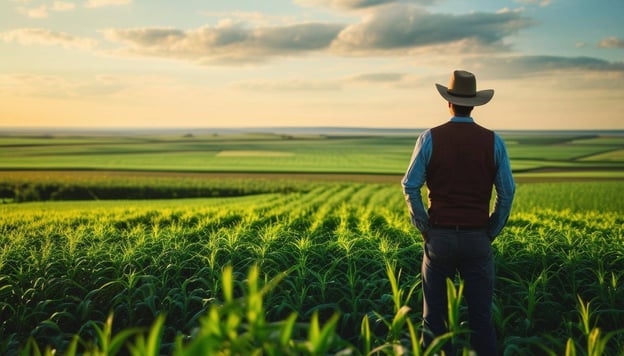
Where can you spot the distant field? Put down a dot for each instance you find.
(571, 154)
(615, 156)
(254, 153)
(61, 167)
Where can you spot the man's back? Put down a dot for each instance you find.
(459, 161)
(460, 174)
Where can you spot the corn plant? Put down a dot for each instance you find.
(239, 326)
(65, 266)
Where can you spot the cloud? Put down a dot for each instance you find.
(505, 10)
(522, 66)
(358, 4)
(288, 86)
(391, 80)
(60, 87)
(226, 43)
(386, 79)
(63, 6)
(52, 86)
(548, 71)
(378, 77)
(38, 12)
(611, 42)
(40, 36)
(251, 17)
(103, 3)
(42, 11)
(548, 63)
(402, 27)
(541, 3)
(25, 84)
(392, 29)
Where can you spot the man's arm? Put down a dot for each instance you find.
(505, 189)
(413, 181)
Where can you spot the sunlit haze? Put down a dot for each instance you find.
(554, 64)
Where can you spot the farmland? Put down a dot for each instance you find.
(285, 153)
(323, 216)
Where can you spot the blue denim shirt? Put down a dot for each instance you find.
(415, 178)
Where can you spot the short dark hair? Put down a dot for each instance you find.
(460, 110)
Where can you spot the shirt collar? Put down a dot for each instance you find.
(461, 119)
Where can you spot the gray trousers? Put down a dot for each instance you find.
(468, 252)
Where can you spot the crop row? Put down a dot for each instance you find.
(65, 266)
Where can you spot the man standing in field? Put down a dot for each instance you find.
(459, 161)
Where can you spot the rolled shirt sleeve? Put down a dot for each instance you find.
(414, 179)
(505, 189)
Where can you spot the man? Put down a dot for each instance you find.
(460, 161)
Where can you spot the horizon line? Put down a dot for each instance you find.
(260, 129)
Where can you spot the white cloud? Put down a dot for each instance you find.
(541, 3)
(288, 86)
(226, 43)
(390, 29)
(59, 87)
(385, 77)
(402, 28)
(43, 11)
(507, 10)
(517, 67)
(63, 6)
(24, 84)
(358, 4)
(252, 17)
(38, 12)
(376, 80)
(103, 3)
(611, 42)
(40, 36)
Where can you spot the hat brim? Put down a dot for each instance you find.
(482, 97)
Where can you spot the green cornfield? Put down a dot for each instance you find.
(333, 267)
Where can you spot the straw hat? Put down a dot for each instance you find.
(462, 90)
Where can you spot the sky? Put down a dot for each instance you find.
(554, 64)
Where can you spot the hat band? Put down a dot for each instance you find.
(461, 95)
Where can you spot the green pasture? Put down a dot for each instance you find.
(258, 153)
(615, 156)
(292, 153)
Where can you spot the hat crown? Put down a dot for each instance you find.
(463, 84)
(462, 90)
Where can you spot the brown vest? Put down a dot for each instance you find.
(460, 174)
